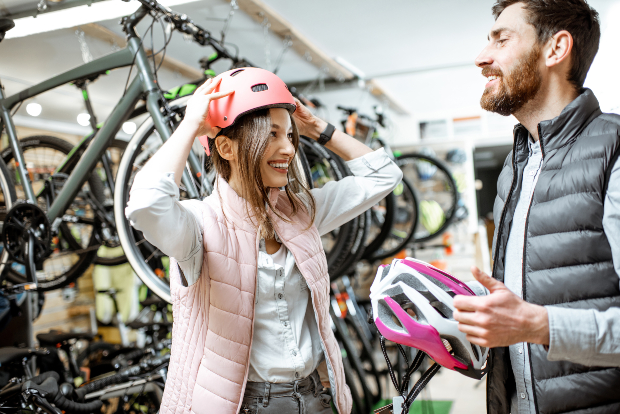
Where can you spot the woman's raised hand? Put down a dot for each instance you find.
(198, 107)
(307, 123)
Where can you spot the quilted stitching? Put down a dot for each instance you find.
(209, 361)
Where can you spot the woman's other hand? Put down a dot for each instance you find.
(197, 109)
(307, 124)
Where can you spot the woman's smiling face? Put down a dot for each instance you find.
(280, 150)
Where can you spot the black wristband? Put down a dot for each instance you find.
(327, 134)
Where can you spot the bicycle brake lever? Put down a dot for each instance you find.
(44, 404)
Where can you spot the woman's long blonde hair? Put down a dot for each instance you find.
(251, 133)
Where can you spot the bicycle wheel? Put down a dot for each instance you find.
(7, 199)
(324, 167)
(75, 246)
(150, 264)
(404, 222)
(359, 234)
(365, 352)
(436, 191)
(381, 220)
(354, 369)
(113, 254)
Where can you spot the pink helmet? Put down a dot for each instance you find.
(255, 88)
(427, 292)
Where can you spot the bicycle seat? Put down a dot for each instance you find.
(140, 325)
(5, 26)
(154, 300)
(57, 337)
(11, 353)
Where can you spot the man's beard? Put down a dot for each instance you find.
(515, 89)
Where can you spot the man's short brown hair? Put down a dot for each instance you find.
(575, 16)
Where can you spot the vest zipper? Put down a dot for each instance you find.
(247, 368)
(316, 318)
(523, 261)
(497, 242)
(503, 216)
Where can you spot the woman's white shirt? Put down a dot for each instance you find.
(284, 326)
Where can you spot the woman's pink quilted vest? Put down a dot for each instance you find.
(213, 318)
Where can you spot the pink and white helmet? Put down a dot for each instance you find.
(412, 306)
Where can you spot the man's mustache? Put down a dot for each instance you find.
(491, 71)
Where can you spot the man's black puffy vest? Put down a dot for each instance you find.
(567, 257)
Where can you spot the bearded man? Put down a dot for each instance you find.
(553, 313)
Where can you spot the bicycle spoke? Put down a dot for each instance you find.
(151, 256)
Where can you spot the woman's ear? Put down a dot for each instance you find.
(226, 148)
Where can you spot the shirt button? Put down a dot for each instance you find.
(297, 375)
(285, 324)
(279, 296)
(294, 353)
(520, 350)
(522, 395)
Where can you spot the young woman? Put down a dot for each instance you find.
(249, 285)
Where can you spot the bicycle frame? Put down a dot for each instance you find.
(143, 85)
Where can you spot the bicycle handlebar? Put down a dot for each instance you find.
(184, 24)
(123, 375)
(44, 389)
(380, 119)
(348, 111)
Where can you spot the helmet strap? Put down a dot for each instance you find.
(415, 364)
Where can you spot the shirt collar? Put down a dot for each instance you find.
(534, 146)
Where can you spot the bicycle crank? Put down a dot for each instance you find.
(26, 236)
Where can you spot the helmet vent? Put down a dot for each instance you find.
(476, 354)
(459, 349)
(437, 282)
(260, 87)
(386, 271)
(442, 309)
(235, 73)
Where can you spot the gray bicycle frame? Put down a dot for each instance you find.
(143, 84)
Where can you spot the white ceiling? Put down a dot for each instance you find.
(421, 52)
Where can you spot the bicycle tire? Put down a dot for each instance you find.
(440, 190)
(8, 197)
(366, 355)
(119, 147)
(357, 367)
(344, 236)
(359, 233)
(85, 259)
(358, 404)
(385, 227)
(136, 248)
(356, 253)
(399, 238)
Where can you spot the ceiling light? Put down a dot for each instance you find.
(129, 128)
(83, 119)
(34, 109)
(76, 16)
